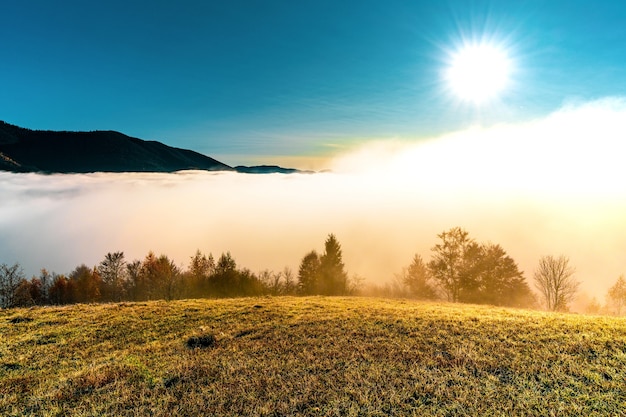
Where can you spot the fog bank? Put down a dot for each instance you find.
(550, 186)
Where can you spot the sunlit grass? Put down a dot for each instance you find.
(309, 356)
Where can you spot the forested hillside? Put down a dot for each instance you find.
(25, 150)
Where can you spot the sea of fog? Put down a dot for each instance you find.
(550, 186)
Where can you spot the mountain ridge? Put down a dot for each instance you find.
(51, 152)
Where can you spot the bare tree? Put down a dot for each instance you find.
(10, 279)
(554, 280)
(289, 285)
(135, 285)
(272, 281)
(113, 272)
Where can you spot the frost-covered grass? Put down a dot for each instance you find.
(308, 356)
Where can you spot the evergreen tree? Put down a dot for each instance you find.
(500, 282)
(308, 274)
(417, 279)
(333, 277)
(225, 281)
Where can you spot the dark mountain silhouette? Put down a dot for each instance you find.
(25, 150)
(269, 169)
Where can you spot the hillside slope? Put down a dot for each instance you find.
(24, 150)
(308, 356)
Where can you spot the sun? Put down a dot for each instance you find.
(478, 72)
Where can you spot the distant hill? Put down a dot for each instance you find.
(25, 150)
(268, 169)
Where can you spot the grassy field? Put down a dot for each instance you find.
(308, 356)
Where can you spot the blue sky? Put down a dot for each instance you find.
(252, 81)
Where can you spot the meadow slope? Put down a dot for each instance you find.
(309, 356)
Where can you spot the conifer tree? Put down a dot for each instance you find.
(333, 277)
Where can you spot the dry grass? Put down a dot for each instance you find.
(308, 356)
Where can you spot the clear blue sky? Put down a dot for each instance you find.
(292, 78)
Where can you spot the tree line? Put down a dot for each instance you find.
(463, 270)
(156, 277)
(459, 270)
(115, 279)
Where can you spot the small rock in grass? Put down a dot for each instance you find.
(16, 320)
(201, 342)
(171, 381)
